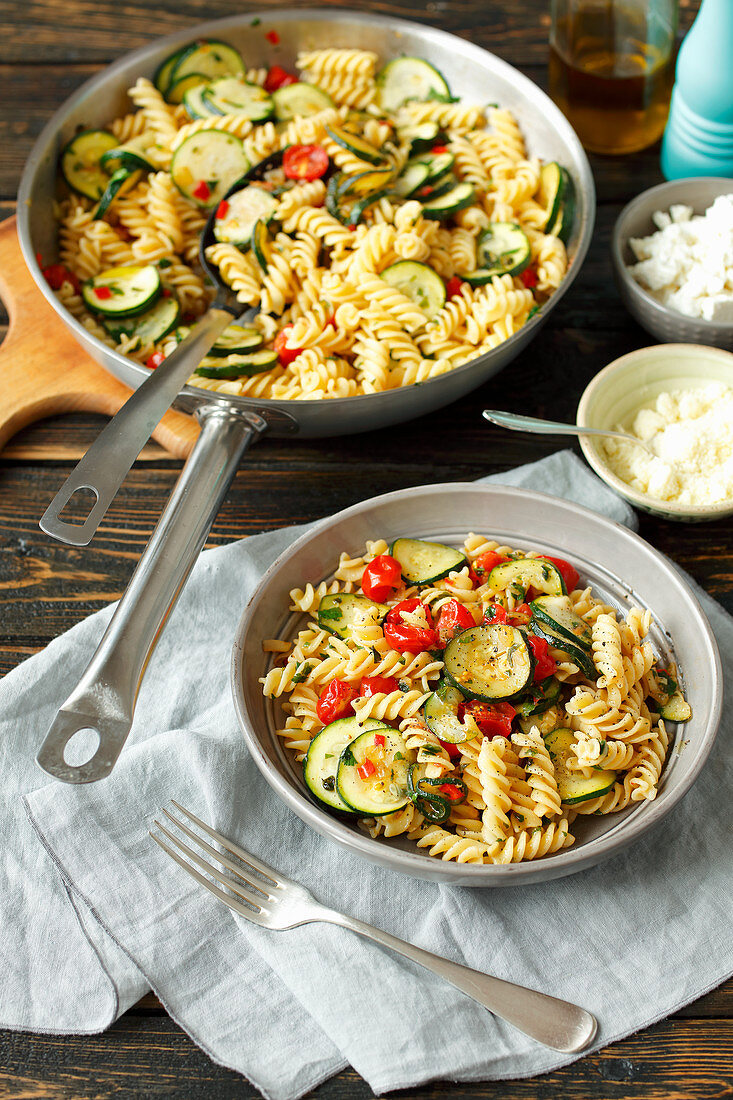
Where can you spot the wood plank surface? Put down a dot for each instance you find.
(47, 49)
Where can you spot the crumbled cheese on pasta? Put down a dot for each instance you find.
(688, 263)
(691, 433)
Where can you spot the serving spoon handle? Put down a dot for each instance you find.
(532, 424)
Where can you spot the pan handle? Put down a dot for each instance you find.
(104, 700)
(109, 459)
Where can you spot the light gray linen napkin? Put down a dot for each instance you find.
(93, 913)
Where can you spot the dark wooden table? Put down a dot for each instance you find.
(48, 48)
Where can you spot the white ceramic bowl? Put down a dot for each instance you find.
(621, 567)
(634, 381)
(635, 220)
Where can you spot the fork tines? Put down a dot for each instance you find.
(254, 883)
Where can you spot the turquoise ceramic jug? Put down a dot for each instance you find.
(698, 140)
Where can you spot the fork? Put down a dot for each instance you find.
(271, 900)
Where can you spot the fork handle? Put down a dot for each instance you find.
(557, 1024)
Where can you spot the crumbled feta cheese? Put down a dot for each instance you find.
(688, 263)
(691, 434)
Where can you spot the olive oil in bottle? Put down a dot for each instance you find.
(612, 69)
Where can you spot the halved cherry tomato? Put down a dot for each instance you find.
(284, 353)
(453, 287)
(305, 162)
(452, 750)
(376, 685)
(366, 768)
(405, 637)
(278, 77)
(381, 577)
(568, 572)
(529, 277)
(154, 360)
(544, 665)
(58, 274)
(492, 718)
(453, 618)
(201, 191)
(485, 562)
(495, 613)
(335, 701)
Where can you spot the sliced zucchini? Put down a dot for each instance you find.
(339, 612)
(260, 241)
(676, 709)
(122, 291)
(410, 78)
(162, 78)
(540, 697)
(299, 100)
(438, 164)
(348, 211)
(575, 653)
(81, 162)
(355, 144)
(572, 786)
(425, 562)
(441, 713)
(237, 340)
(212, 158)
(324, 753)
(210, 58)
(419, 283)
(230, 96)
(524, 573)
(445, 205)
(119, 183)
(177, 92)
(196, 106)
(367, 183)
(550, 192)
(490, 662)
(413, 176)
(237, 366)
(371, 776)
(557, 612)
(503, 249)
(150, 326)
(421, 135)
(245, 209)
(134, 154)
(563, 226)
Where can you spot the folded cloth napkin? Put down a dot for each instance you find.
(93, 913)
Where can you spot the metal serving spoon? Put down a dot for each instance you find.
(555, 427)
(109, 459)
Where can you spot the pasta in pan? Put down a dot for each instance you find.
(406, 234)
(475, 701)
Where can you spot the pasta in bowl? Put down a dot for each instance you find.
(478, 702)
(406, 234)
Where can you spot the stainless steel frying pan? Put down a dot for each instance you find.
(104, 700)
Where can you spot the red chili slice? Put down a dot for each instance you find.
(305, 162)
(103, 292)
(453, 287)
(274, 37)
(222, 209)
(154, 360)
(366, 768)
(285, 354)
(201, 191)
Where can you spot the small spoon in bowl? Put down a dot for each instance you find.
(532, 424)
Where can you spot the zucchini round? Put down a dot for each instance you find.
(425, 562)
(490, 662)
(150, 326)
(410, 78)
(177, 92)
(196, 106)
(450, 202)
(245, 208)
(550, 192)
(324, 753)
(557, 612)
(210, 58)
(371, 777)
(441, 713)
(230, 96)
(299, 100)
(524, 573)
(339, 612)
(122, 291)
(503, 248)
(574, 652)
(162, 77)
(419, 283)
(237, 340)
(572, 786)
(237, 366)
(134, 154)
(355, 144)
(211, 158)
(81, 162)
(119, 183)
(676, 709)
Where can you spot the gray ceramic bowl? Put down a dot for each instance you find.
(635, 220)
(622, 568)
(615, 395)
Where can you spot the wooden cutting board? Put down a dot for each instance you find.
(44, 372)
